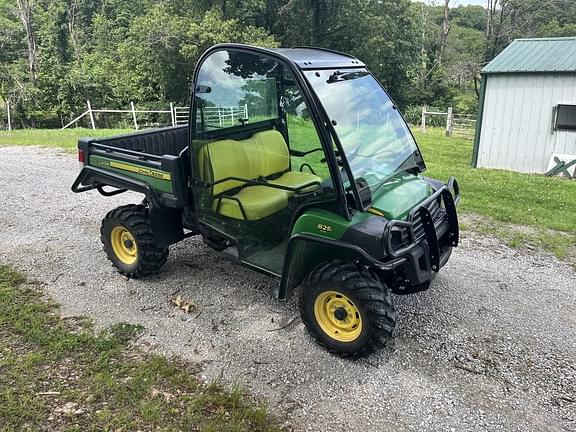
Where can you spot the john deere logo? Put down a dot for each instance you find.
(150, 173)
(161, 175)
(140, 170)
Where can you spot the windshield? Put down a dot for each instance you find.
(374, 137)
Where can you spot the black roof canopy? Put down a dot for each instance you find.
(317, 58)
(304, 57)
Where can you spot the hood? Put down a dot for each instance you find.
(400, 195)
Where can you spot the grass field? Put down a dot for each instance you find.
(546, 205)
(67, 138)
(535, 200)
(57, 374)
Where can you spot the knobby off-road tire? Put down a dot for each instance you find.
(128, 241)
(346, 309)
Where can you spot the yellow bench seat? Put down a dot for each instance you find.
(297, 179)
(264, 155)
(258, 202)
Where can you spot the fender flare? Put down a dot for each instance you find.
(290, 277)
(94, 178)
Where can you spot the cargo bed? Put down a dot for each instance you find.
(152, 162)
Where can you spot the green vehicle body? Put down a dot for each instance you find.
(403, 229)
(157, 179)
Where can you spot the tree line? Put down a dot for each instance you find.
(56, 54)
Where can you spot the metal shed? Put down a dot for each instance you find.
(527, 113)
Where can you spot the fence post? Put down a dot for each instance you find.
(232, 115)
(9, 118)
(246, 111)
(423, 122)
(91, 115)
(172, 114)
(134, 115)
(449, 122)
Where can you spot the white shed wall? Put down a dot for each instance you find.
(517, 132)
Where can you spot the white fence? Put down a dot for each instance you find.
(462, 125)
(225, 116)
(222, 116)
(133, 111)
(8, 117)
(181, 116)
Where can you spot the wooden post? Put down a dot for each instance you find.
(423, 122)
(449, 122)
(9, 118)
(172, 115)
(232, 115)
(91, 115)
(134, 115)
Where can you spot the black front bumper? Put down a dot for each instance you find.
(433, 231)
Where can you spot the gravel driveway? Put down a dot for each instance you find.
(492, 346)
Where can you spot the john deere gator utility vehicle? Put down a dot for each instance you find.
(295, 163)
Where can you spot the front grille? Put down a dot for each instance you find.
(417, 227)
(435, 209)
(437, 213)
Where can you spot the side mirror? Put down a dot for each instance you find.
(202, 89)
(364, 193)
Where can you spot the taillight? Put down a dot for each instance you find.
(81, 156)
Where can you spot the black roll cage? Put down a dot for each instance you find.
(317, 114)
(322, 123)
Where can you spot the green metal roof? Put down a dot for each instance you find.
(536, 55)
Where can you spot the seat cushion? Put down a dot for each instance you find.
(297, 179)
(263, 154)
(271, 150)
(257, 201)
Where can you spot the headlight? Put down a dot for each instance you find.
(400, 237)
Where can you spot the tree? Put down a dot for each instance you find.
(383, 33)
(510, 19)
(473, 17)
(555, 29)
(55, 54)
(25, 12)
(444, 31)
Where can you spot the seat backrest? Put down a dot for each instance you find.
(262, 155)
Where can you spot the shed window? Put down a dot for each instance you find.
(566, 117)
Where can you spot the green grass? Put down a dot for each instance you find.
(59, 375)
(67, 138)
(524, 210)
(560, 243)
(533, 200)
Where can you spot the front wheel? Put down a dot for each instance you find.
(128, 241)
(347, 309)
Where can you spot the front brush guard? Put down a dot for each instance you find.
(432, 230)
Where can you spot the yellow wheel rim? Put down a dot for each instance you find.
(337, 316)
(124, 245)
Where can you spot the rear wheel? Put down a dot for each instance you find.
(128, 241)
(346, 309)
